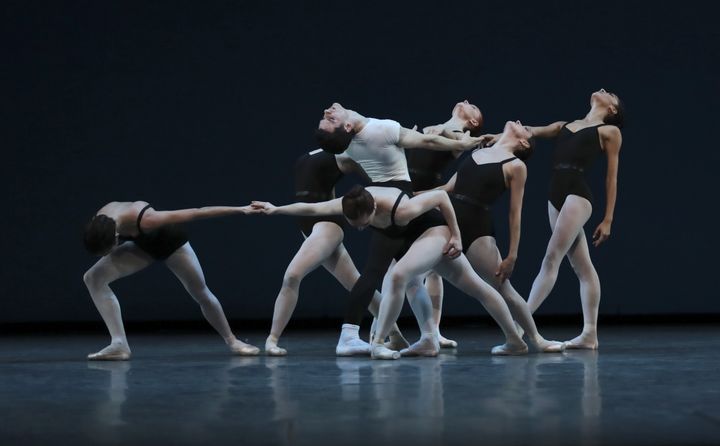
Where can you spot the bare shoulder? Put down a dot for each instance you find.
(515, 168)
(610, 132)
(611, 137)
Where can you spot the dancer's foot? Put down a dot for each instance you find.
(272, 349)
(238, 347)
(446, 343)
(427, 345)
(350, 343)
(379, 351)
(542, 345)
(396, 341)
(510, 349)
(116, 351)
(586, 341)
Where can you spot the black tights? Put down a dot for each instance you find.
(382, 251)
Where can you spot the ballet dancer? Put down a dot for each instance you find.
(480, 180)
(426, 168)
(429, 239)
(578, 144)
(132, 235)
(377, 145)
(316, 174)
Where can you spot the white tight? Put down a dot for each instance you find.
(128, 259)
(568, 239)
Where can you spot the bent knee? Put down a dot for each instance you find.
(291, 279)
(97, 276)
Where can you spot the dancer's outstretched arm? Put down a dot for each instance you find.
(332, 207)
(544, 131)
(153, 219)
(412, 139)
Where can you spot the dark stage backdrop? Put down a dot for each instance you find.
(185, 104)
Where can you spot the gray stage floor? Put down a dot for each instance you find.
(647, 385)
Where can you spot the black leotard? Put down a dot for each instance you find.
(414, 229)
(160, 243)
(477, 187)
(427, 166)
(574, 154)
(316, 174)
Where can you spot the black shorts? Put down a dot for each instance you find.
(162, 242)
(306, 223)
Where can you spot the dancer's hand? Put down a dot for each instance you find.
(469, 142)
(264, 207)
(453, 248)
(488, 139)
(246, 210)
(602, 233)
(505, 269)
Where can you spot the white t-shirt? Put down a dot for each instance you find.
(375, 149)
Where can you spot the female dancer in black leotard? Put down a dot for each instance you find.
(424, 237)
(426, 169)
(316, 174)
(480, 180)
(579, 143)
(132, 235)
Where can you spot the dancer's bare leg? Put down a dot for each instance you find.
(434, 285)
(324, 241)
(186, 267)
(460, 273)
(567, 227)
(485, 259)
(124, 260)
(579, 256)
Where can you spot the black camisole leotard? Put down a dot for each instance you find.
(316, 174)
(575, 153)
(426, 167)
(477, 187)
(413, 230)
(160, 243)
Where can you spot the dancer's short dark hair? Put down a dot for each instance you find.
(99, 234)
(335, 142)
(357, 202)
(525, 153)
(618, 119)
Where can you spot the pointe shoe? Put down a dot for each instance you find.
(570, 345)
(379, 351)
(508, 350)
(275, 351)
(426, 346)
(546, 346)
(243, 349)
(113, 355)
(447, 343)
